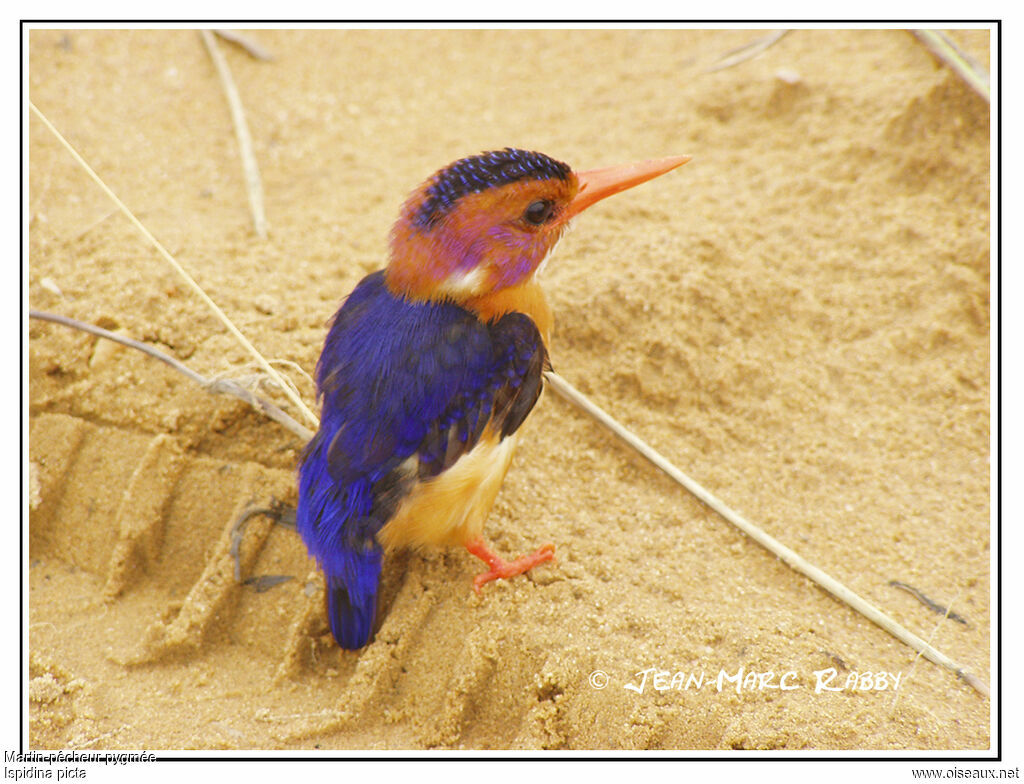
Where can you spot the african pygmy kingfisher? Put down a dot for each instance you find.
(430, 367)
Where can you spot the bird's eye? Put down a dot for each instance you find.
(539, 212)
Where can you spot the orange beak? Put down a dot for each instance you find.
(598, 184)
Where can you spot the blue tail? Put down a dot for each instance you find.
(336, 523)
(352, 599)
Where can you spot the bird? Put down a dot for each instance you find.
(430, 367)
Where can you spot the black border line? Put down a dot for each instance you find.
(536, 755)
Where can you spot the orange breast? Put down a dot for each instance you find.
(451, 508)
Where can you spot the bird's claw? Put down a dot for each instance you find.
(503, 570)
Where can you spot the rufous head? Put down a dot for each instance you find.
(487, 222)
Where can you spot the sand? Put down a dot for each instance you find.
(799, 318)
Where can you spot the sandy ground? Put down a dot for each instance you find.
(799, 318)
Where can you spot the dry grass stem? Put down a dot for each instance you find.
(295, 399)
(213, 385)
(789, 557)
(251, 48)
(253, 185)
(746, 52)
(965, 66)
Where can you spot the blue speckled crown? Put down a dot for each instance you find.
(480, 172)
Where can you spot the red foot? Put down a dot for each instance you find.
(502, 570)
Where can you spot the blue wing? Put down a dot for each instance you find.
(400, 379)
